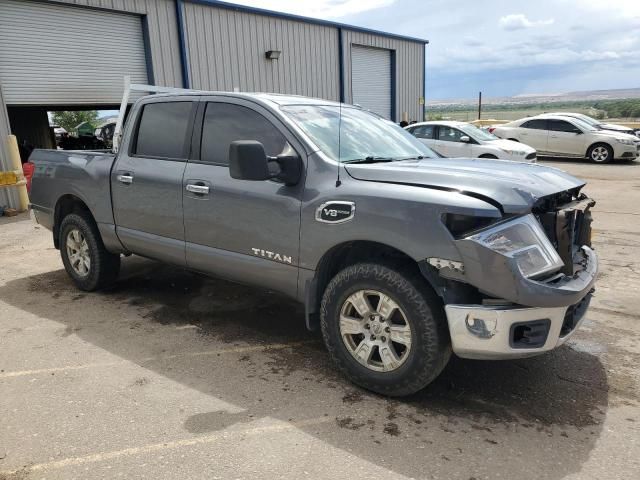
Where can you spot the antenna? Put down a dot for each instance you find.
(338, 182)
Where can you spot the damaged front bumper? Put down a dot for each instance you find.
(502, 332)
(538, 316)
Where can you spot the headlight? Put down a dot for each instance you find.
(624, 141)
(523, 240)
(513, 152)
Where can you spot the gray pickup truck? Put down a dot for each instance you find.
(399, 256)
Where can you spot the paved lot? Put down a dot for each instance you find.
(171, 375)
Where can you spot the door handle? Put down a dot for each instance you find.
(554, 136)
(122, 178)
(199, 189)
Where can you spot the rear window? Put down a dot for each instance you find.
(162, 130)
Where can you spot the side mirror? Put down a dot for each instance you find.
(465, 139)
(248, 161)
(577, 132)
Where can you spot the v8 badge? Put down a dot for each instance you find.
(335, 212)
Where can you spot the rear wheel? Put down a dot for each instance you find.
(84, 256)
(514, 140)
(488, 155)
(600, 153)
(384, 328)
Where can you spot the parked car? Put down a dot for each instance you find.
(597, 123)
(556, 135)
(463, 140)
(399, 258)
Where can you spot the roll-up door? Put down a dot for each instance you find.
(371, 79)
(54, 54)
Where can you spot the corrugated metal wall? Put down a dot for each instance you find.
(163, 34)
(226, 49)
(409, 69)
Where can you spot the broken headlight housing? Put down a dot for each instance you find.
(524, 240)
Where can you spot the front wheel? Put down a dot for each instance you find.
(600, 153)
(384, 328)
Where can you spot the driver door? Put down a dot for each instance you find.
(247, 231)
(566, 139)
(450, 144)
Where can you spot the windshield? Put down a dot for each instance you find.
(363, 136)
(477, 133)
(586, 119)
(583, 125)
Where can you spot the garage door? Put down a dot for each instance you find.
(371, 79)
(61, 55)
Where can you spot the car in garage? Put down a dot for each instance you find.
(561, 136)
(463, 140)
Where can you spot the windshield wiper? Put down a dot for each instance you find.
(369, 160)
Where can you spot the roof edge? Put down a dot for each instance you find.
(301, 18)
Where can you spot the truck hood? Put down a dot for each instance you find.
(512, 187)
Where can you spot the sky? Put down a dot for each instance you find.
(501, 47)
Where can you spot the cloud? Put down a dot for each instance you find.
(519, 21)
(318, 8)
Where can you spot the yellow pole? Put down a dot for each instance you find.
(16, 164)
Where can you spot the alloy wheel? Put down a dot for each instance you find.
(600, 154)
(78, 252)
(375, 330)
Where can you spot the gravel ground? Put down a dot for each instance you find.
(173, 375)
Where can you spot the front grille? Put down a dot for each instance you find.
(568, 227)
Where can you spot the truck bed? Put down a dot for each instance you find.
(84, 174)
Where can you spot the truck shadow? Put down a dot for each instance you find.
(547, 412)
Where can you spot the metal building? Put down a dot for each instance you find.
(67, 54)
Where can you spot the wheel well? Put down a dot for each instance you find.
(340, 257)
(488, 155)
(604, 144)
(67, 204)
(514, 140)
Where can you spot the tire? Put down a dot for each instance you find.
(79, 233)
(418, 306)
(488, 155)
(600, 153)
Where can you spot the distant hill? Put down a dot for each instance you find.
(531, 98)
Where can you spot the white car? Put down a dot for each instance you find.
(463, 140)
(560, 136)
(597, 123)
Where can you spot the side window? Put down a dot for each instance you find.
(424, 131)
(535, 124)
(162, 130)
(225, 123)
(448, 134)
(562, 126)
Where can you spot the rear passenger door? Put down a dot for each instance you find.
(246, 231)
(535, 134)
(146, 181)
